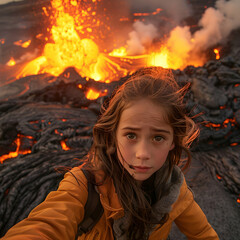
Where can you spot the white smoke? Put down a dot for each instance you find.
(143, 33)
(141, 37)
(216, 25)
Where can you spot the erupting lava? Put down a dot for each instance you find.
(72, 42)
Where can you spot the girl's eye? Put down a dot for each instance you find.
(158, 138)
(131, 136)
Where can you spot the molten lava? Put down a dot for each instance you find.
(91, 94)
(22, 44)
(216, 51)
(11, 62)
(64, 146)
(73, 42)
(17, 151)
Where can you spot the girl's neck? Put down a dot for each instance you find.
(148, 187)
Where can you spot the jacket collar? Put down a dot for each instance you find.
(110, 200)
(114, 209)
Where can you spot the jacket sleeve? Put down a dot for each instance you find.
(193, 223)
(58, 216)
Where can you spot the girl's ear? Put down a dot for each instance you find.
(172, 146)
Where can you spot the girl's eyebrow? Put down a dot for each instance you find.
(153, 128)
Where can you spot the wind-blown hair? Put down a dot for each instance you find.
(159, 86)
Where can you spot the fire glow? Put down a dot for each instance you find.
(65, 48)
(216, 51)
(17, 151)
(23, 44)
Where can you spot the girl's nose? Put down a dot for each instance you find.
(142, 151)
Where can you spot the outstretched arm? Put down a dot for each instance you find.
(194, 224)
(58, 216)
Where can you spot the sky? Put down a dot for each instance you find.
(7, 1)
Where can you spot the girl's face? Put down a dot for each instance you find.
(144, 138)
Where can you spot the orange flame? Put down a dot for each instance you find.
(23, 44)
(92, 95)
(68, 49)
(64, 146)
(159, 59)
(2, 40)
(11, 62)
(216, 51)
(119, 52)
(218, 177)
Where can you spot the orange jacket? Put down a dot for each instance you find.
(59, 215)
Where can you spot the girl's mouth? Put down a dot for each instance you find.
(141, 169)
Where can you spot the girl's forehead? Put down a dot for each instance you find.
(144, 109)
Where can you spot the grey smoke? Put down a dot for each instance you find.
(217, 23)
(140, 38)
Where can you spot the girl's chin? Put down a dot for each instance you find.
(140, 177)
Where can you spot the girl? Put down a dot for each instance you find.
(137, 147)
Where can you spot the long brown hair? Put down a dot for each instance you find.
(159, 86)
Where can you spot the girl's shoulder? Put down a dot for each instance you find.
(185, 199)
(74, 178)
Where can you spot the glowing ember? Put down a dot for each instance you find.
(17, 152)
(218, 177)
(223, 125)
(158, 10)
(64, 146)
(22, 44)
(216, 51)
(2, 40)
(92, 95)
(11, 62)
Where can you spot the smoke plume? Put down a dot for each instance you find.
(143, 33)
(140, 37)
(216, 25)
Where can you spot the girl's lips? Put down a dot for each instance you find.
(141, 169)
